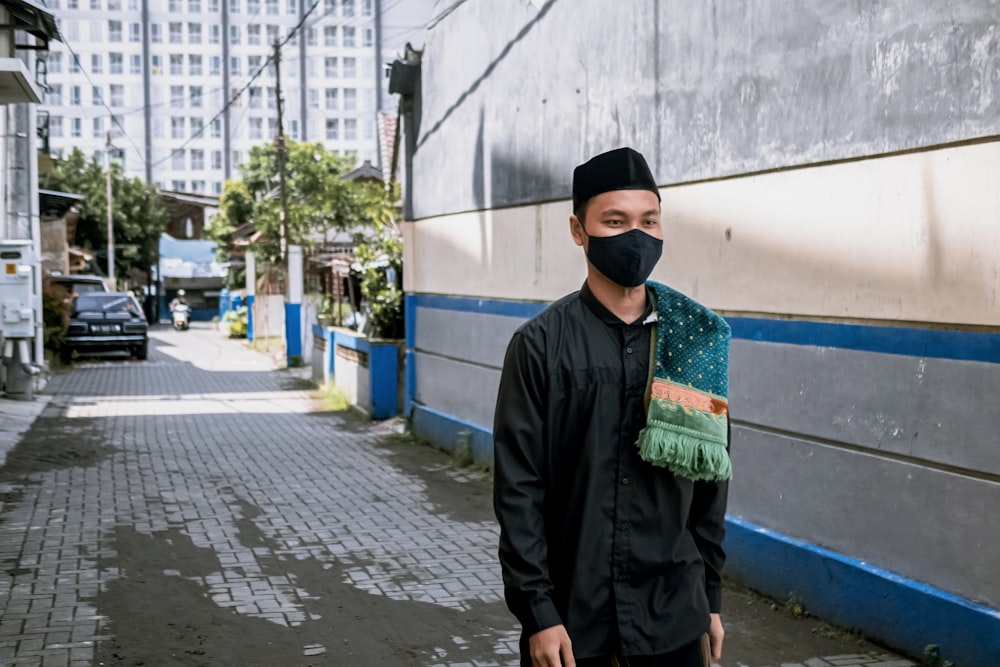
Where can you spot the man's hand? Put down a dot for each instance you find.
(715, 635)
(551, 647)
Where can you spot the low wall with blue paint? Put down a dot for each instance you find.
(368, 371)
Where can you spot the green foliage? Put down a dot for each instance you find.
(381, 259)
(137, 213)
(319, 199)
(56, 302)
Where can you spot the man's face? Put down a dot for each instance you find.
(617, 212)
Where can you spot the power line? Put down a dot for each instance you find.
(242, 90)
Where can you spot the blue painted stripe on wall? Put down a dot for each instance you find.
(904, 613)
(446, 431)
(908, 341)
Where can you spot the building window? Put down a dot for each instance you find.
(176, 64)
(256, 128)
(272, 127)
(197, 159)
(331, 98)
(117, 95)
(366, 7)
(114, 31)
(367, 38)
(157, 64)
(194, 6)
(135, 64)
(237, 157)
(174, 6)
(133, 5)
(176, 33)
(332, 129)
(96, 63)
(234, 34)
(54, 95)
(292, 8)
(197, 186)
(313, 98)
(253, 33)
(178, 186)
(216, 159)
(213, 5)
(134, 32)
(330, 67)
(214, 34)
(234, 6)
(194, 65)
(55, 63)
(272, 7)
(272, 33)
(369, 129)
(177, 97)
(197, 127)
(98, 128)
(113, 5)
(253, 7)
(55, 126)
(254, 98)
(272, 98)
(253, 64)
(194, 33)
(176, 128)
(216, 129)
(96, 96)
(350, 99)
(295, 129)
(214, 65)
(76, 128)
(95, 5)
(330, 35)
(217, 187)
(350, 129)
(116, 63)
(329, 7)
(74, 96)
(348, 37)
(235, 68)
(177, 159)
(313, 39)
(195, 93)
(155, 33)
(72, 4)
(347, 7)
(74, 64)
(350, 68)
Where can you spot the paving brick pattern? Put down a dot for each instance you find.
(203, 439)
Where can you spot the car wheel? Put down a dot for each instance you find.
(142, 352)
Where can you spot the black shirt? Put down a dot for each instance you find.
(624, 554)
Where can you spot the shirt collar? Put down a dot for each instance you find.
(648, 315)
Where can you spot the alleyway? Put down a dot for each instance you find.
(202, 508)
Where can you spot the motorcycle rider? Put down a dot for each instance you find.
(179, 300)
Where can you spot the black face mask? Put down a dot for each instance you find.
(626, 259)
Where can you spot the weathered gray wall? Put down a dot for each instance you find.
(518, 92)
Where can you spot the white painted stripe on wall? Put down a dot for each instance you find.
(911, 237)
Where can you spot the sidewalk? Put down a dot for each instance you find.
(268, 531)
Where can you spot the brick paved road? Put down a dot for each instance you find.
(201, 509)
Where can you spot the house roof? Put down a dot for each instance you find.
(55, 204)
(366, 171)
(33, 18)
(387, 134)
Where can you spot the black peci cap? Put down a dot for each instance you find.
(620, 169)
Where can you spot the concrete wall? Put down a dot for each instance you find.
(828, 176)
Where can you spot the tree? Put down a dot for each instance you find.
(319, 199)
(138, 215)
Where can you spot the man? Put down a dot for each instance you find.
(611, 449)
(179, 300)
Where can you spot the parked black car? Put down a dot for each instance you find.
(102, 321)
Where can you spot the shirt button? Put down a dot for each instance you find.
(625, 480)
(628, 350)
(622, 525)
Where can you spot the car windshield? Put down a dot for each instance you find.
(108, 303)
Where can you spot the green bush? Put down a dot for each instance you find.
(56, 305)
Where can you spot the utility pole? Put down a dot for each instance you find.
(281, 149)
(111, 226)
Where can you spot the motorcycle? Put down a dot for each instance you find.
(180, 317)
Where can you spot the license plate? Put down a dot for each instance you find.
(104, 328)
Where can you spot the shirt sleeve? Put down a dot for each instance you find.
(707, 523)
(519, 485)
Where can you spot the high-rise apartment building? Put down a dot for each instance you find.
(187, 87)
